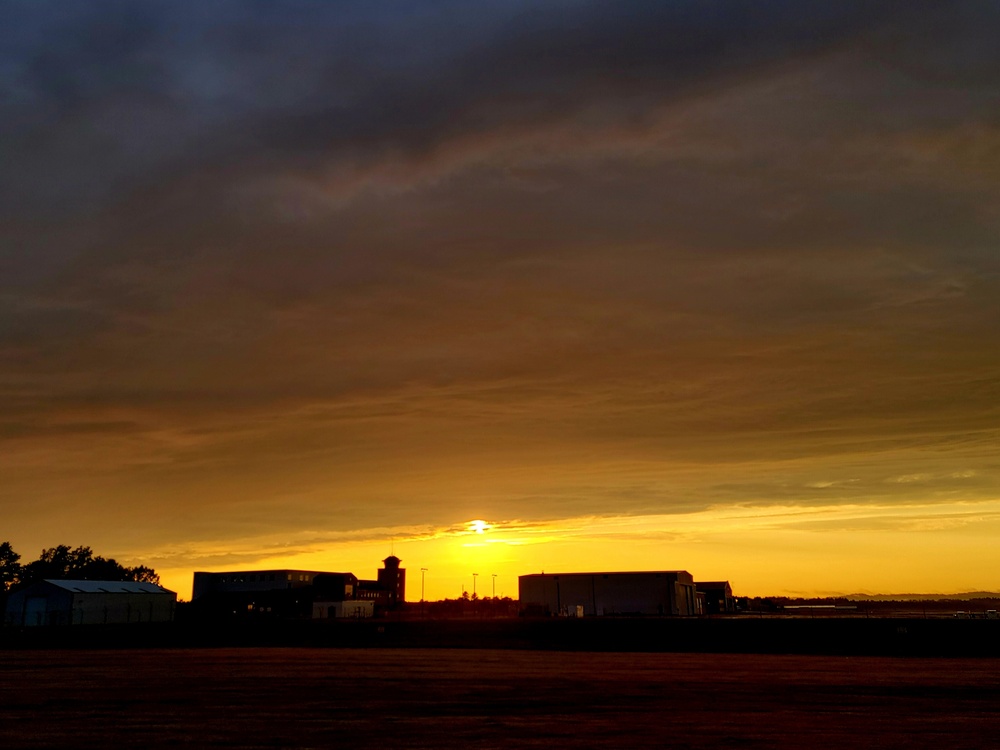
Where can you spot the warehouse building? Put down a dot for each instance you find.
(718, 597)
(53, 602)
(666, 592)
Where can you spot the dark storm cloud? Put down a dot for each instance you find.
(547, 61)
(97, 95)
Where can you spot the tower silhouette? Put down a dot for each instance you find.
(392, 579)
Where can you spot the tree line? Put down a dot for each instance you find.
(63, 563)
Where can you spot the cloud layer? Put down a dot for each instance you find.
(335, 266)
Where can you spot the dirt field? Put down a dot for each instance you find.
(417, 698)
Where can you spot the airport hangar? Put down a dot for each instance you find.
(663, 592)
(55, 602)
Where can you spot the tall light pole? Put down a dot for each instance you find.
(422, 571)
(474, 575)
(494, 585)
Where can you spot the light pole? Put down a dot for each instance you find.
(474, 575)
(422, 571)
(494, 585)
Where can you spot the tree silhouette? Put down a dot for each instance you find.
(143, 574)
(58, 562)
(10, 568)
(63, 562)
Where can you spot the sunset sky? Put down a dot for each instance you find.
(692, 285)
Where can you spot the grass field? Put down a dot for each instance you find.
(430, 698)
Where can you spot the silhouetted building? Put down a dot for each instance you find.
(718, 597)
(388, 591)
(298, 593)
(392, 579)
(246, 581)
(335, 595)
(269, 593)
(335, 587)
(638, 593)
(372, 591)
(357, 609)
(54, 602)
(699, 602)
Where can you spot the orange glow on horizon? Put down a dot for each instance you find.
(761, 550)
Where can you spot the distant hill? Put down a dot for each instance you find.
(967, 596)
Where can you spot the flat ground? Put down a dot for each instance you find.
(429, 698)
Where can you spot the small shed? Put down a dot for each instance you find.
(54, 602)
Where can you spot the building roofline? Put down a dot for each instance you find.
(263, 570)
(84, 586)
(606, 573)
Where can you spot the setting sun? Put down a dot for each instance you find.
(479, 526)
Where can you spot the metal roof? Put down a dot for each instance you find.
(109, 587)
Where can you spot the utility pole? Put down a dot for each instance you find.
(422, 571)
(494, 585)
(474, 576)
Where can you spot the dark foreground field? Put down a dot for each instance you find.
(825, 636)
(417, 698)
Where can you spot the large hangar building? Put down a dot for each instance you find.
(54, 602)
(664, 592)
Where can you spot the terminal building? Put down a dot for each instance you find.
(665, 592)
(299, 593)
